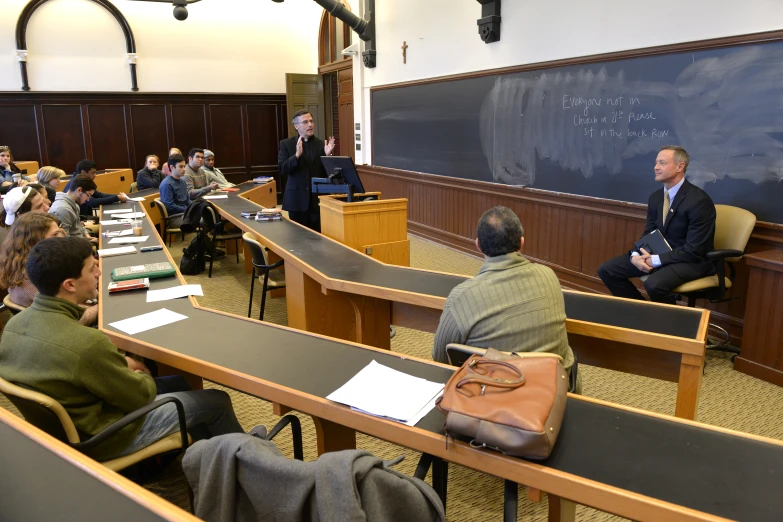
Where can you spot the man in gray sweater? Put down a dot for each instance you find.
(66, 206)
(511, 305)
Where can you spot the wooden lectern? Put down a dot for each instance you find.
(377, 228)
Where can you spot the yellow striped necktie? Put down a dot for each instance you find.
(666, 204)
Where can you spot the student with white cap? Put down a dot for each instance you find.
(21, 200)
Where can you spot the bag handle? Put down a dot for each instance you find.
(474, 377)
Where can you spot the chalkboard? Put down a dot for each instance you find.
(595, 129)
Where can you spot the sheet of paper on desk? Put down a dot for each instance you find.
(144, 322)
(386, 392)
(223, 196)
(127, 240)
(116, 222)
(175, 292)
(108, 252)
(129, 215)
(118, 211)
(135, 199)
(119, 233)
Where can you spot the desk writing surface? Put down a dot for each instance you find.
(692, 466)
(44, 486)
(339, 262)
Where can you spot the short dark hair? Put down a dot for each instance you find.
(300, 113)
(86, 165)
(499, 232)
(193, 152)
(174, 159)
(84, 182)
(680, 155)
(56, 259)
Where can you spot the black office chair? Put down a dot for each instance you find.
(232, 235)
(733, 227)
(272, 279)
(165, 230)
(49, 415)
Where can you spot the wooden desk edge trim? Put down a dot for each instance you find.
(117, 482)
(664, 342)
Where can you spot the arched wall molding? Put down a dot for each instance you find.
(21, 38)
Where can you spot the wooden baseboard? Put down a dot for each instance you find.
(754, 369)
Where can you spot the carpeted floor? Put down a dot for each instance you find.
(728, 398)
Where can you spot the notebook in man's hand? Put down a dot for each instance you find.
(654, 243)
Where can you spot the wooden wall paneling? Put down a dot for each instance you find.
(64, 141)
(227, 138)
(108, 136)
(189, 126)
(19, 130)
(264, 124)
(149, 126)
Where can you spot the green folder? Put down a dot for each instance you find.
(152, 271)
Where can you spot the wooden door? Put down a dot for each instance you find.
(345, 112)
(305, 91)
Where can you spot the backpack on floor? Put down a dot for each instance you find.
(193, 262)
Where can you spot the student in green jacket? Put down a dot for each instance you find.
(46, 349)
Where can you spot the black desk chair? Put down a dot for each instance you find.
(733, 227)
(272, 279)
(167, 231)
(49, 415)
(219, 235)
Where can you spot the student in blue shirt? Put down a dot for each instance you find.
(174, 190)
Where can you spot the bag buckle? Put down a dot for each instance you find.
(483, 389)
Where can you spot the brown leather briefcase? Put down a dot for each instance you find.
(510, 403)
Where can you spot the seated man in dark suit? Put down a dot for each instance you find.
(299, 160)
(685, 215)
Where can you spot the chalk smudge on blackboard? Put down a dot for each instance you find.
(726, 111)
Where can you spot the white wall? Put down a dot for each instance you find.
(442, 35)
(223, 46)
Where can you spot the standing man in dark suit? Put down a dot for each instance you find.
(299, 161)
(685, 215)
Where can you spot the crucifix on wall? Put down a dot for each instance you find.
(404, 52)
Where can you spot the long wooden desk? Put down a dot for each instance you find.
(624, 461)
(333, 290)
(45, 479)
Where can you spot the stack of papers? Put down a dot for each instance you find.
(108, 252)
(223, 196)
(119, 233)
(127, 215)
(129, 239)
(175, 292)
(384, 392)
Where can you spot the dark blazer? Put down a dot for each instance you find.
(298, 172)
(690, 227)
